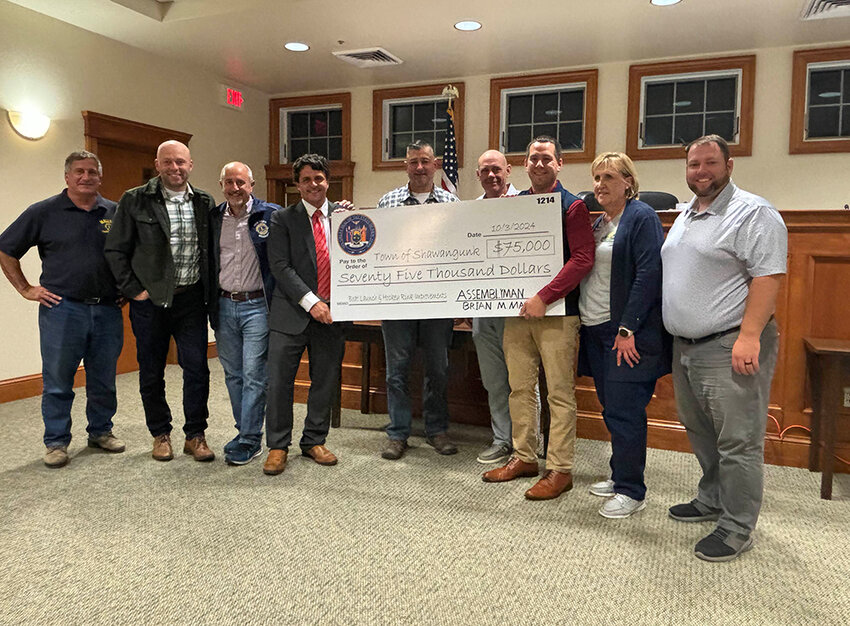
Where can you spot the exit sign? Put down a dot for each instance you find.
(233, 98)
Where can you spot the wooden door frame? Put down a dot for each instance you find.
(115, 131)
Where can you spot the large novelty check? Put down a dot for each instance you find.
(479, 258)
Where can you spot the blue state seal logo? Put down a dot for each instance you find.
(356, 234)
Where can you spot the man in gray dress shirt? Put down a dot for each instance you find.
(723, 263)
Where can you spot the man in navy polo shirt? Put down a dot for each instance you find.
(78, 317)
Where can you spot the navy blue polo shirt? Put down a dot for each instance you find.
(70, 243)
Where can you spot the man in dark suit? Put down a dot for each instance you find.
(298, 249)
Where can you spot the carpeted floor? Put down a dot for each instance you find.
(123, 539)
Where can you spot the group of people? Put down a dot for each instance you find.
(637, 306)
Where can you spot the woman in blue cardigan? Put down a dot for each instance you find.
(623, 343)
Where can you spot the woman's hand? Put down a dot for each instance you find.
(625, 347)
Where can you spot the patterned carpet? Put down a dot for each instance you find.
(122, 539)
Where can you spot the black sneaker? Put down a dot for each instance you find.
(442, 444)
(715, 548)
(693, 511)
(232, 445)
(393, 449)
(243, 454)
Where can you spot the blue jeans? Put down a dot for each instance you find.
(487, 334)
(623, 409)
(71, 332)
(400, 340)
(242, 338)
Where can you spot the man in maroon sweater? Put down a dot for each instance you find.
(531, 337)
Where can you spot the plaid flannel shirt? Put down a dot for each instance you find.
(400, 196)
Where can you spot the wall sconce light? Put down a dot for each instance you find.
(29, 125)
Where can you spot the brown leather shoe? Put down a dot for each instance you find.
(552, 485)
(198, 448)
(275, 462)
(515, 468)
(162, 448)
(321, 455)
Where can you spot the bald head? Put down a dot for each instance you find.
(493, 171)
(173, 164)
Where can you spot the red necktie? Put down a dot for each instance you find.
(323, 262)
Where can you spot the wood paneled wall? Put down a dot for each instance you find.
(814, 301)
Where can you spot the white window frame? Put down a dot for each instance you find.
(283, 120)
(386, 131)
(518, 91)
(824, 65)
(672, 78)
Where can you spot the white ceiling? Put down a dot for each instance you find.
(242, 40)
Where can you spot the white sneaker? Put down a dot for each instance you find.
(603, 489)
(621, 506)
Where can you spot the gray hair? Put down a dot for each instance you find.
(82, 155)
(231, 164)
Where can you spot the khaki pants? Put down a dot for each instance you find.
(554, 340)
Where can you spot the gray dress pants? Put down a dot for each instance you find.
(725, 415)
(487, 335)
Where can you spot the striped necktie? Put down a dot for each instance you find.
(323, 262)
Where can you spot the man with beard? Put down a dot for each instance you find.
(723, 263)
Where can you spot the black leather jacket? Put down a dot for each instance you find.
(137, 246)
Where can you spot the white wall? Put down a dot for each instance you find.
(789, 181)
(63, 70)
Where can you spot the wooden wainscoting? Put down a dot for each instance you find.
(812, 302)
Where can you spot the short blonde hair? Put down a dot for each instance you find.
(618, 162)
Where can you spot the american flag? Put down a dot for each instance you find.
(449, 176)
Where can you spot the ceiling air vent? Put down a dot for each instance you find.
(368, 57)
(822, 9)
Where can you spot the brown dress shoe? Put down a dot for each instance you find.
(552, 485)
(321, 455)
(198, 448)
(515, 468)
(162, 448)
(275, 462)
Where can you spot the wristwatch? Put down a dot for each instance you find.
(625, 332)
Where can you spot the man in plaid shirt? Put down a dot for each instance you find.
(402, 336)
(157, 250)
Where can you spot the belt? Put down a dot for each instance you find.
(710, 337)
(241, 296)
(183, 288)
(91, 300)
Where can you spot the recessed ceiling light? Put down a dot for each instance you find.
(468, 25)
(296, 46)
(664, 3)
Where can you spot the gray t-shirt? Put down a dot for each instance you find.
(710, 258)
(594, 302)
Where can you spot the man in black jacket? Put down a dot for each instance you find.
(157, 250)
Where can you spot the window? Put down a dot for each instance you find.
(562, 105)
(671, 104)
(411, 119)
(820, 101)
(306, 131)
(319, 124)
(304, 124)
(400, 116)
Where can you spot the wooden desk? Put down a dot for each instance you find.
(824, 361)
(366, 334)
